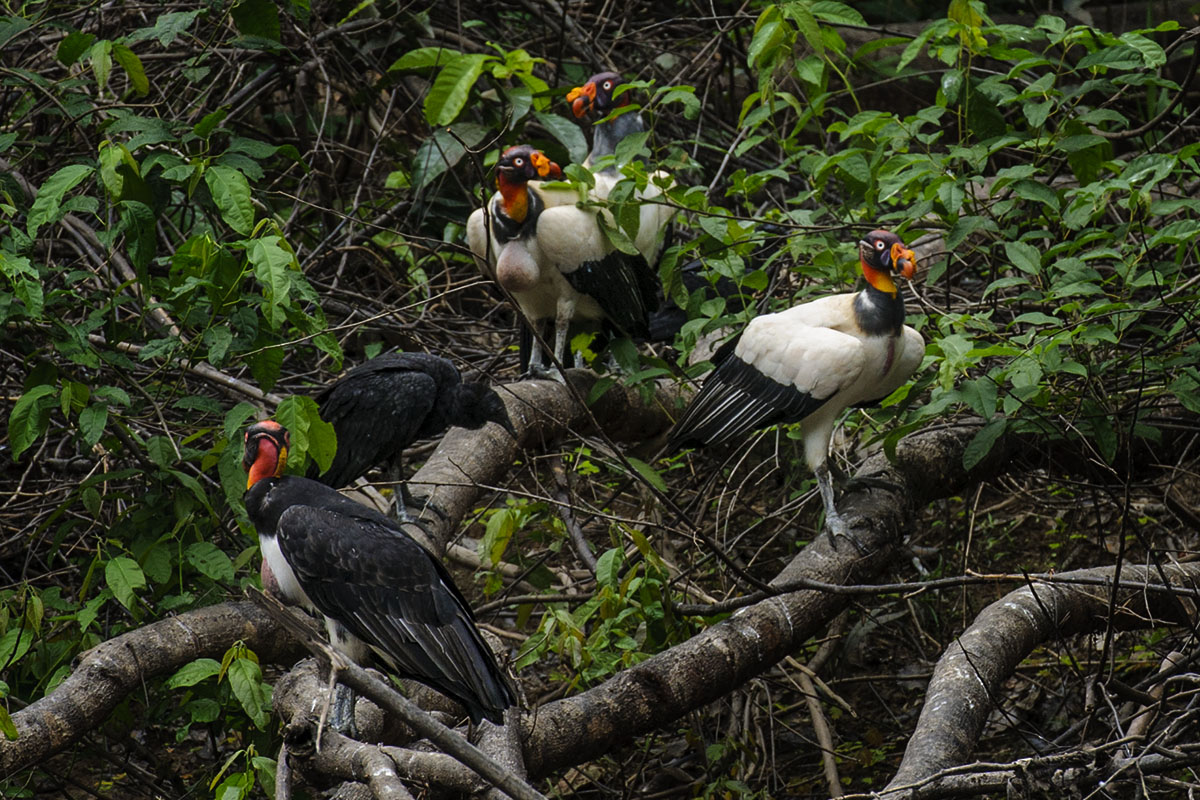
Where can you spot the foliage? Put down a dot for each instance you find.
(213, 203)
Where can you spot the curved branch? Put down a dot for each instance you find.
(110, 671)
(969, 673)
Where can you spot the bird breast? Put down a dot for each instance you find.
(516, 267)
(278, 576)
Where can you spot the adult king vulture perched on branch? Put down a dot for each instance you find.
(811, 362)
(382, 406)
(553, 258)
(378, 589)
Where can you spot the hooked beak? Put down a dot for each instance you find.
(544, 166)
(581, 99)
(904, 261)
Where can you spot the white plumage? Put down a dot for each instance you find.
(809, 363)
(553, 258)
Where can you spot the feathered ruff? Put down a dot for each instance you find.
(376, 585)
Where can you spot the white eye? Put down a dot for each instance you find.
(879, 245)
(518, 162)
(608, 86)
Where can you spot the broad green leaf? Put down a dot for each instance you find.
(133, 68)
(806, 23)
(15, 644)
(258, 18)
(210, 560)
(7, 727)
(311, 435)
(231, 192)
(101, 55)
(28, 418)
(272, 263)
(442, 150)
(499, 532)
(1024, 257)
(50, 196)
(648, 473)
(236, 418)
(91, 423)
(978, 448)
(567, 133)
(167, 28)
(209, 122)
(424, 58)
(1152, 54)
(73, 45)
(161, 451)
(192, 673)
(452, 87)
(608, 568)
(245, 678)
(124, 577)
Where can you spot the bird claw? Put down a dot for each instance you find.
(839, 529)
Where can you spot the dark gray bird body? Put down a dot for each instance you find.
(384, 405)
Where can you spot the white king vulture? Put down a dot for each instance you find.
(378, 589)
(553, 258)
(384, 405)
(810, 363)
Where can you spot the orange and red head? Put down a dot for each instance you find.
(266, 451)
(884, 255)
(596, 95)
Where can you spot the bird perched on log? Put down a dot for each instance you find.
(811, 362)
(384, 405)
(378, 589)
(554, 259)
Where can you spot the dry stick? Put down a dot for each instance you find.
(563, 507)
(358, 679)
(819, 721)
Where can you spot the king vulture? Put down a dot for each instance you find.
(553, 258)
(811, 362)
(595, 99)
(382, 406)
(378, 589)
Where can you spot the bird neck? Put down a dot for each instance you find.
(609, 134)
(879, 280)
(879, 308)
(514, 197)
(270, 462)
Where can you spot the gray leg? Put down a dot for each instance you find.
(833, 520)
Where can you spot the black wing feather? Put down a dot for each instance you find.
(624, 287)
(737, 399)
(360, 569)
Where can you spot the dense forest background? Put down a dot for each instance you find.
(212, 209)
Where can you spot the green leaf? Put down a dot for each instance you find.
(978, 448)
(272, 264)
(245, 678)
(1153, 56)
(73, 45)
(257, 18)
(231, 192)
(452, 87)
(161, 451)
(498, 533)
(124, 577)
(101, 55)
(443, 150)
(608, 568)
(311, 435)
(1024, 257)
(50, 196)
(424, 58)
(210, 561)
(649, 473)
(806, 23)
(91, 423)
(209, 122)
(567, 133)
(133, 68)
(192, 673)
(7, 727)
(29, 417)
